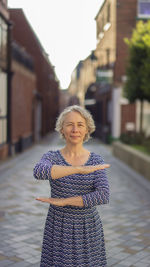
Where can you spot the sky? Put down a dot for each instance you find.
(65, 28)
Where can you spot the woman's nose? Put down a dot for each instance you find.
(74, 128)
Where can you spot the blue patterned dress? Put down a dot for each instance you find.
(73, 236)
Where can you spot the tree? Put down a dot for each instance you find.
(137, 85)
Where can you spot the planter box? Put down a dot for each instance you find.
(135, 159)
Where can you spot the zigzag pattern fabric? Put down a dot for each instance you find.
(73, 236)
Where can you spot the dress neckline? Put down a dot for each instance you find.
(67, 163)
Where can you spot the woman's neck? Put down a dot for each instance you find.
(73, 150)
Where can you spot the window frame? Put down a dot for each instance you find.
(108, 12)
(140, 15)
(3, 109)
(3, 130)
(3, 43)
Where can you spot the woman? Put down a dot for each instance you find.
(73, 234)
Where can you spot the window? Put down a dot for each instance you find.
(98, 28)
(109, 110)
(103, 22)
(144, 8)
(108, 56)
(107, 24)
(3, 107)
(3, 131)
(3, 43)
(108, 13)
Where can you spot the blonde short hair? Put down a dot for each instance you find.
(83, 112)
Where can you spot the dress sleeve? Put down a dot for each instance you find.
(42, 170)
(100, 194)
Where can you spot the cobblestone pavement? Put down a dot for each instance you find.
(126, 219)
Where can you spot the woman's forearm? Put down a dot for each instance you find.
(58, 171)
(74, 201)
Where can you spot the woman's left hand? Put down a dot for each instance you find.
(53, 201)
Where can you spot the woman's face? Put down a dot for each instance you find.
(74, 128)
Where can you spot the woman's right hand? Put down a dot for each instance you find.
(89, 169)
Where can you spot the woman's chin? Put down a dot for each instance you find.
(75, 140)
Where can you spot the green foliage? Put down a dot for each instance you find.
(143, 149)
(110, 139)
(139, 140)
(137, 85)
(132, 138)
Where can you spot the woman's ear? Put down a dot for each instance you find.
(87, 130)
(62, 132)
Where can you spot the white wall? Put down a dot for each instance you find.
(146, 117)
(116, 112)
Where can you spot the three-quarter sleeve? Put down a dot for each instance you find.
(100, 194)
(42, 170)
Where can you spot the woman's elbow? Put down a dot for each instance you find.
(104, 199)
(36, 174)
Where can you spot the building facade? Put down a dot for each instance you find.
(29, 88)
(47, 85)
(23, 85)
(4, 79)
(82, 76)
(115, 21)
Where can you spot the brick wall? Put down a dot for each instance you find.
(4, 149)
(128, 114)
(22, 87)
(125, 22)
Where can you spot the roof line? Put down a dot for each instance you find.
(35, 35)
(100, 9)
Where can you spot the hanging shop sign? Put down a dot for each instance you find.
(105, 76)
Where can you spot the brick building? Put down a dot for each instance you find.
(115, 21)
(29, 89)
(47, 86)
(23, 86)
(4, 78)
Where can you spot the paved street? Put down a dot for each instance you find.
(126, 219)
